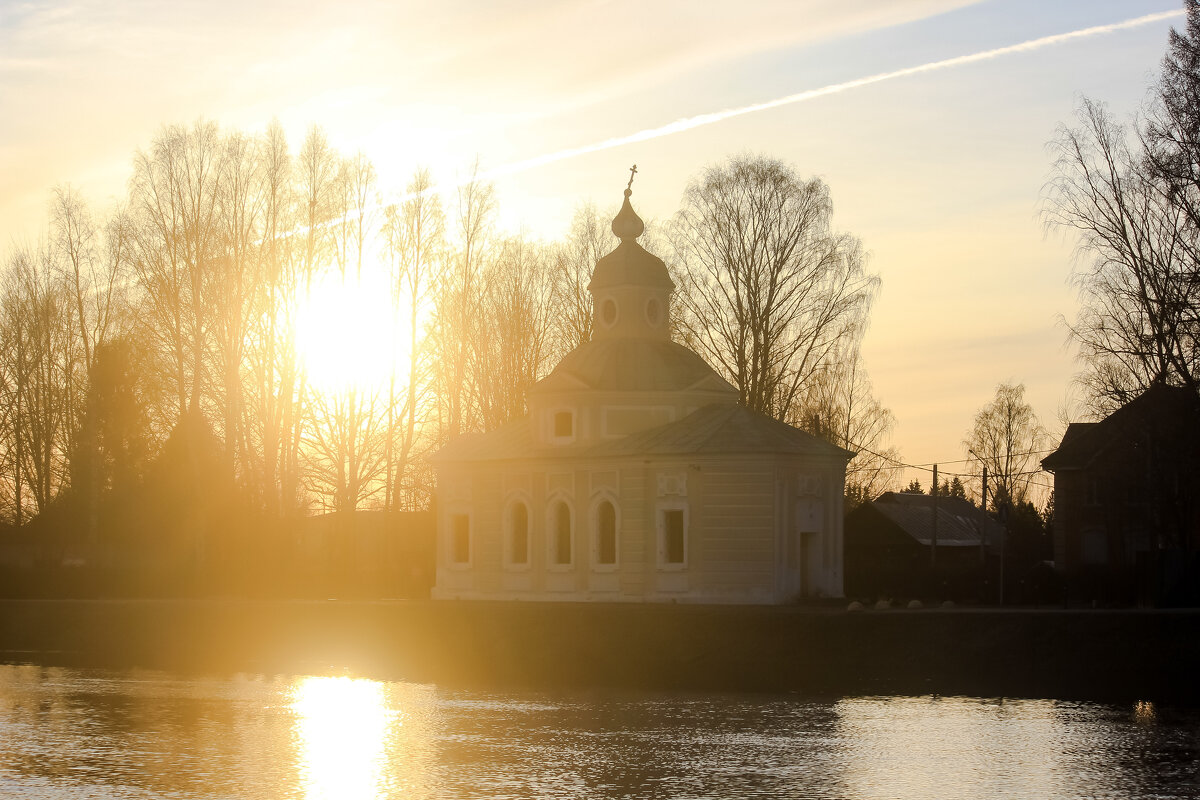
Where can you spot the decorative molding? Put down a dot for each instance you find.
(809, 484)
(605, 481)
(560, 483)
(672, 484)
(517, 483)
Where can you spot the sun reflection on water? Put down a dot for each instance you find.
(1144, 713)
(343, 726)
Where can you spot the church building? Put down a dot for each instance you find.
(637, 476)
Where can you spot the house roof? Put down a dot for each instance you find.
(718, 428)
(958, 521)
(633, 365)
(1167, 412)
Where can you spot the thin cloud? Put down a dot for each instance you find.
(688, 123)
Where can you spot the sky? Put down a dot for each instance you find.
(940, 173)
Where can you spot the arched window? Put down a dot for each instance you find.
(560, 538)
(606, 534)
(518, 534)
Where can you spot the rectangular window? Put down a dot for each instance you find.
(673, 547)
(1094, 549)
(564, 424)
(460, 538)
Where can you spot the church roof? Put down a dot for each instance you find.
(714, 429)
(721, 428)
(632, 365)
(511, 440)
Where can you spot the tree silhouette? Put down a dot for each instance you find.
(771, 293)
(1132, 199)
(1008, 438)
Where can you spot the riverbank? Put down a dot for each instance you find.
(1102, 655)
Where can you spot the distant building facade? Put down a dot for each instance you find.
(1127, 502)
(889, 544)
(637, 476)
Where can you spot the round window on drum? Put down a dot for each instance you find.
(608, 312)
(653, 312)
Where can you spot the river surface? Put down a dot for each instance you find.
(68, 733)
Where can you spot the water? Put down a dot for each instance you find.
(74, 733)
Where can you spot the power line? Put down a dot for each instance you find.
(929, 468)
(1010, 455)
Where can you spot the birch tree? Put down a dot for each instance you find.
(770, 293)
(1008, 438)
(414, 234)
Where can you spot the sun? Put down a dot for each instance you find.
(346, 332)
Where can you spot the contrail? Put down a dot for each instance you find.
(687, 123)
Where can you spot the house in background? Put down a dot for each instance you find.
(637, 476)
(889, 542)
(1127, 502)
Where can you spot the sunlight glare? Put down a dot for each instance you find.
(343, 725)
(344, 331)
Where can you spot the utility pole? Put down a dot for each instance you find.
(933, 536)
(983, 530)
(1003, 546)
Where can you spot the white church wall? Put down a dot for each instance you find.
(737, 530)
(736, 548)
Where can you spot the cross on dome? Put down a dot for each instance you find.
(627, 225)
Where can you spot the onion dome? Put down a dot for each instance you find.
(629, 264)
(627, 224)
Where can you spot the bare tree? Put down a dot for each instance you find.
(345, 452)
(92, 263)
(841, 407)
(414, 234)
(234, 279)
(357, 178)
(457, 303)
(589, 239)
(38, 323)
(1008, 438)
(769, 292)
(1131, 195)
(272, 355)
(174, 195)
(317, 166)
(1136, 275)
(1172, 127)
(76, 237)
(516, 314)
